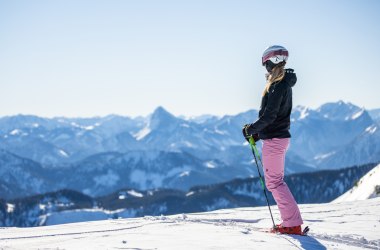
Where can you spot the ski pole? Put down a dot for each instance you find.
(257, 156)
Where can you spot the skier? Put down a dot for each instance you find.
(272, 127)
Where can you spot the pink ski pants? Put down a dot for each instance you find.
(274, 161)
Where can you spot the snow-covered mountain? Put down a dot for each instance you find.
(316, 135)
(365, 147)
(61, 140)
(336, 135)
(320, 136)
(333, 226)
(366, 188)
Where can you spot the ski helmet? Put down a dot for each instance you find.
(275, 54)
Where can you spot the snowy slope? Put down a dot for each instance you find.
(367, 187)
(348, 225)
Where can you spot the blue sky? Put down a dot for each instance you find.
(93, 58)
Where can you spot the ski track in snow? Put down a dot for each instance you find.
(76, 233)
(348, 225)
(244, 225)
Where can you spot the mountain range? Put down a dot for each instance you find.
(66, 206)
(99, 155)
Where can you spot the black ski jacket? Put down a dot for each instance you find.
(276, 106)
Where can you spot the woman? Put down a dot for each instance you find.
(273, 128)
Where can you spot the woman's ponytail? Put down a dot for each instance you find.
(277, 74)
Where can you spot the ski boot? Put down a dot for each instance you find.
(297, 230)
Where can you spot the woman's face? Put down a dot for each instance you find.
(269, 66)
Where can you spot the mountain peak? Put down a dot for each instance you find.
(161, 118)
(340, 110)
(161, 111)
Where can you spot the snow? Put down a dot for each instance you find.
(190, 193)
(348, 225)
(142, 133)
(135, 193)
(185, 173)
(323, 156)
(210, 164)
(364, 189)
(357, 114)
(122, 196)
(10, 207)
(15, 132)
(42, 206)
(371, 129)
(221, 132)
(177, 170)
(89, 127)
(304, 113)
(63, 153)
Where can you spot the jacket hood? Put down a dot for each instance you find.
(290, 77)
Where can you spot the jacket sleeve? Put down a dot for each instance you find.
(269, 115)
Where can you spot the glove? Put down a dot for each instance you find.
(247, 134)
(256, 137)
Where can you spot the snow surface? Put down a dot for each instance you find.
(371, 129)
(15, 132)
(304, 112)
(63, 153)
(358, 114)
(364, 189)
(142, 133)
(135, 193)
(210, 164)
(348, 225)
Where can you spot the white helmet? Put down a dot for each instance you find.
(275, 54)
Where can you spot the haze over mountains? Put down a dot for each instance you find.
(99, 155)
